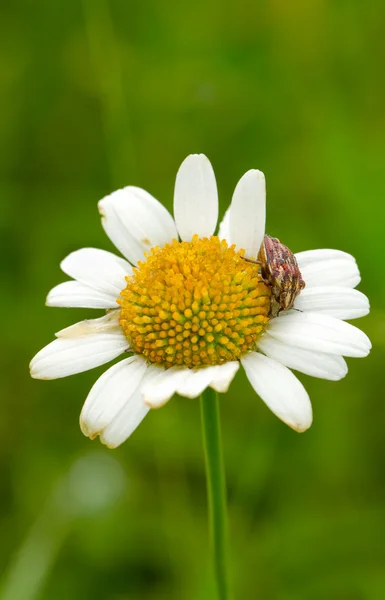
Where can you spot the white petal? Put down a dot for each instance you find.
(248, 213)
(328, 268)
(195, 382)
(108, 323)
(124, 424)
(279, 389)
(339, 272)
(223, 376)
(68, 355)
(218, 377)
(314, 331)
(78, 295)
(339, 302)
(224, 227)
(97, 268)
(111, 392)
(316, 364)
(324, 254)
(130, 416)
(195, 198)
(136, 222)
(159, 389)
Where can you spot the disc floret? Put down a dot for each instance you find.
(194, 304)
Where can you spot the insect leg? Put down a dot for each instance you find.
(255, 262)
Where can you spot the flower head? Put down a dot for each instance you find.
(189, 309)
(194, 304)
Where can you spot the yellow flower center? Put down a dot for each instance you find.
(194, 303)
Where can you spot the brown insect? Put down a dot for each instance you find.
(279, 270)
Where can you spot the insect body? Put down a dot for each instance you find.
(279, 270)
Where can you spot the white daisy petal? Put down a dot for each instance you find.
(195, 382)
(159, 389)
(313, 331)
(324, 254)
(130, 416)
(283, 393)
(223, 376)
(78, 295)
(124, 424)
(195, 198)
(218, 377)
(98, 269)
(328, 268)
(111, 392)
(69, 355)
(224, 227)
(136, 222)
(337, 272)
(315, 364)
(248, 212)
(108, 323)
(339, 302)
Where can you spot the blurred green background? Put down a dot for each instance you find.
(98, 94)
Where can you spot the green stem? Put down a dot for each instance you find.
(216, 488)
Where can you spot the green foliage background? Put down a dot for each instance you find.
(98, 94)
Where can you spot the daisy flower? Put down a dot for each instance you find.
(189, 310)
